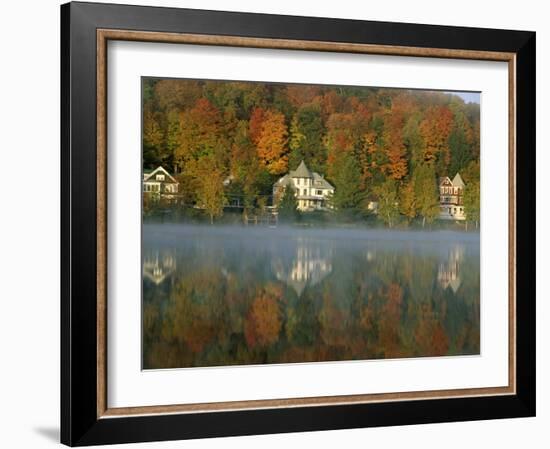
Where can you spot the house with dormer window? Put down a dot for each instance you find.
(451, 198)
(312, 190)
(158, 183)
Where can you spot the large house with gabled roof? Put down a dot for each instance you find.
(451, 198)
(312, 190)
(158, 183)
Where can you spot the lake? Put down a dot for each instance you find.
(252, 295)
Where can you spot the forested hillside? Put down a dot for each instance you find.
(372, 144)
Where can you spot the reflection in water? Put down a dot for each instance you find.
(310, 264)
(449, 270)
(233, 296)
(158, 265)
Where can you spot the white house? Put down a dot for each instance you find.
(160, 184)
(311, 189)
(451, 198)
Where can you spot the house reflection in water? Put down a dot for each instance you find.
(448, 274)
(309, 266)
(158, 265)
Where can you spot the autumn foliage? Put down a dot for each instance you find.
(263, 321)
(410, 138)
(389, 307)
(272, 143)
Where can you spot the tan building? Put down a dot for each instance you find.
(158, 183)
(451, 198)
(311, 189)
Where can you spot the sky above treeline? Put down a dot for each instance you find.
(468, 97)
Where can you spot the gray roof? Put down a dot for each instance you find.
(301, 172)
(284, 180)
(457, 181)
(320, 182)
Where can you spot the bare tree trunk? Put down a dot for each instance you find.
(211, 219)
(423, 221)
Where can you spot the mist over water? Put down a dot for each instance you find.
(216, 295)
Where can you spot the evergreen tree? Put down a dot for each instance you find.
(347, 181)
(295, 144)
(471, 202)
(245, 167)
(306, 138)
(288, 206)
(413, 140)
(472, 193)
(460, 144)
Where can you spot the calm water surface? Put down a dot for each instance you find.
(235, 296)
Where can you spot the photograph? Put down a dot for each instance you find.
(277, 223)
(300, 223)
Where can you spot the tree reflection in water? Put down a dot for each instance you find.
(232, 296)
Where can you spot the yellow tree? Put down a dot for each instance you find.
(208, 176)
(152, 132)
(407, 200)
(272, 143)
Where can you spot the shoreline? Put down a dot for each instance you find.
(174, 230)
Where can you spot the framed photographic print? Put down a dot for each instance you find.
(277, 224)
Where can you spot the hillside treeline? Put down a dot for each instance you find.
(372, 144)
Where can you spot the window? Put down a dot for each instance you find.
(319, 192)
(305, 191)
(160, 177)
